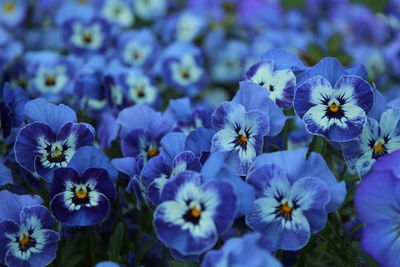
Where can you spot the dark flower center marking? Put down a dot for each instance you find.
(81, 195)
(261, 83)
(242, 136)
(140, 92)
(271, 88)
(136, 55)
(117, 11)
(26, 242)
(185, 74)
(9, 7)
(55, 154)
(152, 152)
(50, 81)
(379, 148)
(285, 211)
(87, 38)
(334, 111)
(192, 215)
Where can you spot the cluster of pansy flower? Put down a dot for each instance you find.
(221, 133)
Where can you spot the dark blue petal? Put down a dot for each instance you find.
(61, 176)
(90, 157)
(39, 212)
(27, 142)
(171, 145)
(85, 216)
(104, 184)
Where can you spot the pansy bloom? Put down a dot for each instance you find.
(12, 102)
(51, 139)
(192, 214)
(287, 211)
(137, 48)
(338, 113)
(279, 82)
(248, 250)
(27, 237)
(181, 66)
(86, 36)
(377, 203)
(81, 193)
(141, 131)
(12, 12)
(376, 140)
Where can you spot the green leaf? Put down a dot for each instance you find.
(115, 244)
(176, 263)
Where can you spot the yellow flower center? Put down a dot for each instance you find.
(334, 107)
(87, 37)
(379, 148)
(9, 7)
(195, 213)
(185, 74)
(50, 81)
(25, 240)
(140, 92)
(152, 152)
(285, 210)
(81, 194)
(242, 140)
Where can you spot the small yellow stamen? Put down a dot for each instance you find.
(87, 37)
(81, 194)
(9, 7)
(379, 148)
(56, 153)
(334, 107)
(285, 210)
(242, 139)
(25, 240)
(140, 92)
(195, 213)
(152, 152)
(185, 74)
(50, 81)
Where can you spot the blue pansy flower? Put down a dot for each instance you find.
(118, 12)
(81, 193)
(240, 133)
(338, 113)
(173, 159)
(377, 204)
(186, 117)
(376, 140)
(141, 131)
(12, 12)
(150, 10)
(51, 139)
(296, 165)
(192, 214)
(12, 104)
(280, 83)
(139, 87)
(181, 66)
(49, 74)
(287, 211)
(27, 237)
(137, 48)
(86, 36)
(248, 250)
(185, 26)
